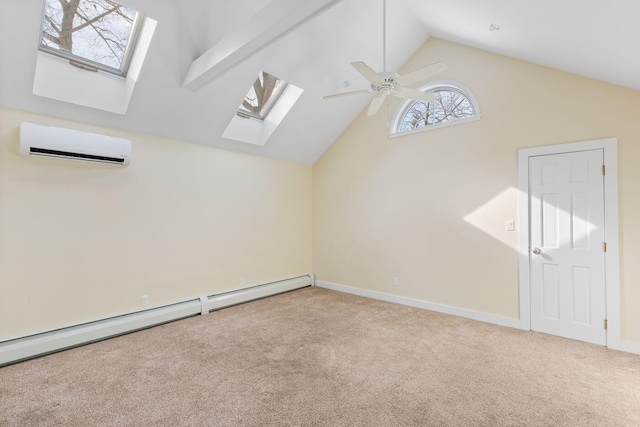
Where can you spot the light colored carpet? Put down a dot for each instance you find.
(315, 357)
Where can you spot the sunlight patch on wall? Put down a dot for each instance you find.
(492, 216)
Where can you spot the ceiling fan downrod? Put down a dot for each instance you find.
(384, 35)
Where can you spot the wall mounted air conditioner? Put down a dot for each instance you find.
(37, 140)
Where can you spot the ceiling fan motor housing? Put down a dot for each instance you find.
(388, 85)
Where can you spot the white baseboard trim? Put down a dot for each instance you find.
(19, 349)
(440, 308)
(628, 346)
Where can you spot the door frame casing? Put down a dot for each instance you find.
(609, 146)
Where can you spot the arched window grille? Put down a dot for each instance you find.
(452, 103)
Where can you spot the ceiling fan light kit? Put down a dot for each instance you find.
(387, 83)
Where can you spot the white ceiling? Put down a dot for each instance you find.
(592, 38)
(586, 37)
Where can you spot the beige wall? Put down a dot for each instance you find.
(397, 207)
(81, 241)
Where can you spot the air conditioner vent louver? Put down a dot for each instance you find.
(57, 153)
(36, 140)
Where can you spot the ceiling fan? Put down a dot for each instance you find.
(388, 83)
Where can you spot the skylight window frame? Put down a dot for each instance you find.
(266, 109)
(136, 28)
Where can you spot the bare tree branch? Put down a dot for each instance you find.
(51, 38)
(264, 87)
(449, 105)
(92, 20)
(53, 24)
(107, 20)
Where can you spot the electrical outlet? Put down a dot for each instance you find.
(511, 225)
(242, 281)
(144, 300)
(395, 281)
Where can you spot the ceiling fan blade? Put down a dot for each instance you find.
(340, 95)
(375, 105)
(416, 95)
(421, 73)
(366, 71)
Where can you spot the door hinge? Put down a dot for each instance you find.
(604, 170)
(606, 324)
(605, 246)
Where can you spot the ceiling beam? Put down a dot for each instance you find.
(271, 23)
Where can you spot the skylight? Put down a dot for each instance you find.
(262, 96)
(91, 34)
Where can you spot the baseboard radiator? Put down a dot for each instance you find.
(17, 350)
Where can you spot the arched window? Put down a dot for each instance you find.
(452, 103)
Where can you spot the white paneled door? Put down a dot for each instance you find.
(567, 254)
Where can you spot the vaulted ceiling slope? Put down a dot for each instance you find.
(591, 38)
(314, 57)
(587, 37)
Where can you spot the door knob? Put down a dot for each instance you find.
(536, 251)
